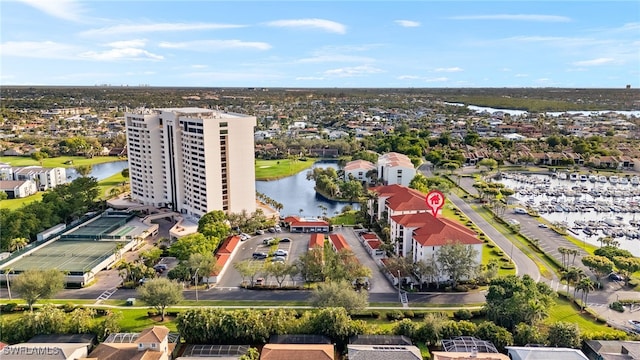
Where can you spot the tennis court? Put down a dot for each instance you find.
(74, 256)
(103, 227)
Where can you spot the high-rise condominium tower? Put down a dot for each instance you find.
(192, 160)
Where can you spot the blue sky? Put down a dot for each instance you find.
(320, 43)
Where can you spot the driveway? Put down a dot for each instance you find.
(378, 282)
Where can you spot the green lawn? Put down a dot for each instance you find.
(276, 169)
(13, 204)
(348, 218)
(563, 310)
(105, 185)
(61, 161)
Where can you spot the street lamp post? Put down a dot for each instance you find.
(399, 286)
(196, 276)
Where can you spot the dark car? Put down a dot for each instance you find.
(285, 240)
(615, 277)
(161, 267)
(259, 255)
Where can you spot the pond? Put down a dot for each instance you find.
(101, 171)
(296, 192)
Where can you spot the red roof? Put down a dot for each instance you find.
(221, 260)
(316, 240)
(297, 222)
(369, 236)
(401, 198)
(339, 242)
(438, 232)
(374, 244)
(228, 245)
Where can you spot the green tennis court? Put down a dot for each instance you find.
(67, 255)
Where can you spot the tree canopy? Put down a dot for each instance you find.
(160, 293)
(34, 285)
(512, 300)
(339, 294)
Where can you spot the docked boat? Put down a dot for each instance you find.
(593, 178)
(574, 176)
(602, 179)
(623, 181)
(562, 176)
(635, 180)
(583, 177)
(613, 179)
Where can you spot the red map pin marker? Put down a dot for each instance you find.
(435, 201)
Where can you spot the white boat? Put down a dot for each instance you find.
(602, 179)
(583, 177)
(613, 179)
(623, 181)
(562, 176)
(635, 180)
(573, 176)
(593, 178)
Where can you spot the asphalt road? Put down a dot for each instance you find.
(524, 265)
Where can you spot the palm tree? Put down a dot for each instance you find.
(563, 252)
(585, 285)
(571, 275)
(18, 243)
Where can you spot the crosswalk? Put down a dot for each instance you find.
(106, 295)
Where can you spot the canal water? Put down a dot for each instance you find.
(100, 171)
(589, 210)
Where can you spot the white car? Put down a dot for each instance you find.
(281, 252)
(244, 237)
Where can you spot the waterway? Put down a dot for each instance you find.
(589, 210)
(296, 192)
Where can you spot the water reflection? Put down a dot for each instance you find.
(296, 192)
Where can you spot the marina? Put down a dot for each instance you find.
(589, 206)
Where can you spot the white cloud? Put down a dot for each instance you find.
(408, 77)
(37, 49)
(232, 76)
(156, 27)
(521, 75)
(215, 45)
(120, 54)
(515, 17)
(353, 71)
(138, 43)
(61, 9)
(335, 58)
(326, 25)
(449, 69)
(438, 79)
(593, 62)
(309, 78)
(407, 23)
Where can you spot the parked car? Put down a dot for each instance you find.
(277, 228)
(615, 277)
(279, 259)
(259, 255)
(160, 267)
(244, 237)
(268, 241)
(272, 230)
(281, 252)
(285, 240)
(543, 226)
(259, 282)
(259, 232)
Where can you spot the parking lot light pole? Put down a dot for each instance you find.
(196, 276)
(399, 288)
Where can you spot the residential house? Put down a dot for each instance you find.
(213, 352)
(297, 351)
(18, 189)
(45, 178)
(475, 355)
(358, 170)
(395, 168)
(547, 353)
(611, 350)
(383, 352)
(155, 343)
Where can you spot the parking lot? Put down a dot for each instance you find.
(296, 247)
